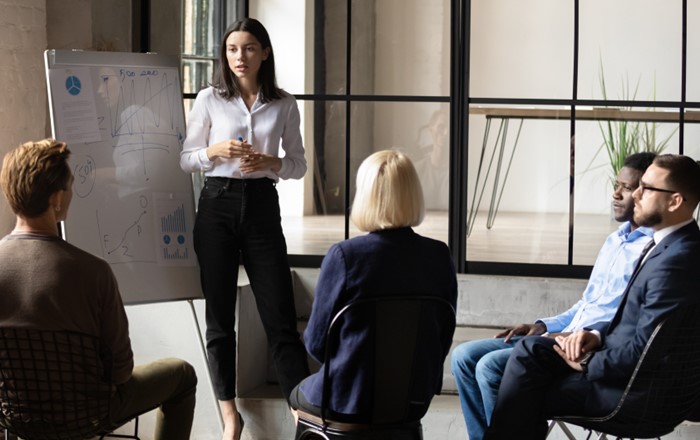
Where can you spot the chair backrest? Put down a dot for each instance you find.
(403, 330)
(665, 384)
(52, 384)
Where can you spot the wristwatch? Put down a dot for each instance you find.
(584, 362)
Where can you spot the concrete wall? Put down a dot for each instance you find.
(23, 112)
(27, 29)
(483, 300)
(89, 25)
(166, 23)
(70, 24)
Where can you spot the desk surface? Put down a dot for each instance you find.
(595, 114)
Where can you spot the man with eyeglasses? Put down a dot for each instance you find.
(585, 373)
(478, 365)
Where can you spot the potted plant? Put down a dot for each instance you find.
(622, 138)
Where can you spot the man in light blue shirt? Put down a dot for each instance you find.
(478, 365)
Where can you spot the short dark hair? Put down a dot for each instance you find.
(683, 175)
(31, 173)
(639, 161)
(224, 79)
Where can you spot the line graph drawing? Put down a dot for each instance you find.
(125, 238)
(143, 118)
(135, 107)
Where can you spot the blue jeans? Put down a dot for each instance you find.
(477, 367)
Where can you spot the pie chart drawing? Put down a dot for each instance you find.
(73, 85)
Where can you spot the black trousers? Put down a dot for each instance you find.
(538, 384)
(239, 218)
(297, 400)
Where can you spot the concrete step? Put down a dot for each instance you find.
(268, 418)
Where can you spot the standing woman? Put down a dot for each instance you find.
(234, 133)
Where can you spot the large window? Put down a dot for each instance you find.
(368, 75)
(505, 107)
(554, 89)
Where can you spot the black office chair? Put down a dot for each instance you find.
(664, 388)
(399, 325)
(52, 386)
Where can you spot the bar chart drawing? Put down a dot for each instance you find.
(174, 226)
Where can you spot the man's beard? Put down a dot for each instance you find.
(649, 220)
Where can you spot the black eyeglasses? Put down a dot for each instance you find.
(644, 187)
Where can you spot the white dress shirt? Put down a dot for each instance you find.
(266, 126)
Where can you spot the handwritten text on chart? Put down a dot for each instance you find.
(126, 73)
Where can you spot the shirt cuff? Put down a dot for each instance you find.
(204, 160)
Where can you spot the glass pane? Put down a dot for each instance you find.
(310, 58)
(692, 134)
(322, 222)
(637, 53)
(330, 64)
(320, 67)
(600, 151)
(201, 35)
(196, 75)
(692, 141)
(518, 193)
(293, 44)
(383, 125)
(693, 81)
(399, 49)
(521, 49)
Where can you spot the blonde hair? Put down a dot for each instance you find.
(31, 173)
(389, 194)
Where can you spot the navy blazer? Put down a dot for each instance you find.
(668, 279)
(395, 261)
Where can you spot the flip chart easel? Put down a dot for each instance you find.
(123, 119)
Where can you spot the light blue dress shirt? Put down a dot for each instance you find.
(612, 270)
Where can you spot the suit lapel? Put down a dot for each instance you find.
(660, 247)
(618, 313)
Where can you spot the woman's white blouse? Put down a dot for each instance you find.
(267, 127)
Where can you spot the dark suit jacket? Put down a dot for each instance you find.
(396, 261)
(669, 279)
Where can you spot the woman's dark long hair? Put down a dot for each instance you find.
(226, 82)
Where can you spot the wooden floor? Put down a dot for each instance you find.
(515, 237)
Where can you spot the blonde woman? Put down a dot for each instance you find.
(390, 259)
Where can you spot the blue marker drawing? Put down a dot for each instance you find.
(73, 85)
